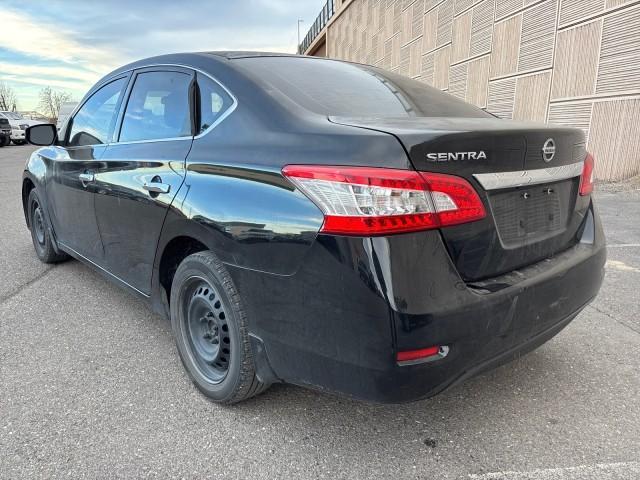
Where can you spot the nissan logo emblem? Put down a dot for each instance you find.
(548, 150)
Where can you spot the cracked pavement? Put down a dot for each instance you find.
(91, 387)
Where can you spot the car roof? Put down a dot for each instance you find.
(191, 59)
(188, 57)
(231, 55)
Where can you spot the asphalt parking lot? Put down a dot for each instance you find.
(91, 386)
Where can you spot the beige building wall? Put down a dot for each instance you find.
(569, 62)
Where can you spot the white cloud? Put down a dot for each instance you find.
(70, 47)
(46, 82)
(51, 57)
(20, 33)
(74, 76)
(264, 39)
(279, 6)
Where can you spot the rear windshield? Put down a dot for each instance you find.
(330, 87)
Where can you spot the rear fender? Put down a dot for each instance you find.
(249, 219)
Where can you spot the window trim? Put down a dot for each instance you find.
(72, 116)
(129, 74)
(222, 117)
(225, 114)
(229, 110)
(123, 107)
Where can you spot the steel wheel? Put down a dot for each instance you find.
(40, 234)
(206, 329)
(38, 223)
(210, 327)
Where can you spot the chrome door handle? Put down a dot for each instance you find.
(86, 178)
(154, 187)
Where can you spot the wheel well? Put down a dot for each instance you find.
(27, 186)
(174, 252)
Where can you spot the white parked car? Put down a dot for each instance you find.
(18, 126)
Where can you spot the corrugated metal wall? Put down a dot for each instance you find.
(572, 62)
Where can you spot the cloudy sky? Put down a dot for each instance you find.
(69, 44)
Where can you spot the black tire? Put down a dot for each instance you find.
(40, 234)
(19, 142)
(5, 141)
(211, 332)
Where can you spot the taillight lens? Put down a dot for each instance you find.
(586, 179)
(377, 201)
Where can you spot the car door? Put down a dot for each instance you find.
(71, 166)
(143, 170)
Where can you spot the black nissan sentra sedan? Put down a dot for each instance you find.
(318, 222)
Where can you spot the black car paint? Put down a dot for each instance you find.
(325, 311)
(477, 248)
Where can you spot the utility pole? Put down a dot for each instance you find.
(299, 22)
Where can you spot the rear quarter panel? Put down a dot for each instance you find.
(235, 199)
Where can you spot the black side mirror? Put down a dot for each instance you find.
(42, 135)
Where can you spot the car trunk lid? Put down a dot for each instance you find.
(531, 196)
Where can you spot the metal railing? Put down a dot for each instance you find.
(320, 22)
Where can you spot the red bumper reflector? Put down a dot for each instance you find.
(417, 354)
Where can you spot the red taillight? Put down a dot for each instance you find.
(468, 206)
(586, 179)
(411, 355)
(377, 201)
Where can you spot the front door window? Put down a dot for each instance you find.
(95, 119)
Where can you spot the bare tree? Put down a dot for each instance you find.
(8, 98)
(51, 101)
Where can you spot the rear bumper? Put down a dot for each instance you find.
(338, 322)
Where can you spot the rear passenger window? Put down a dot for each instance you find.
(214, 101)
(158, 107)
